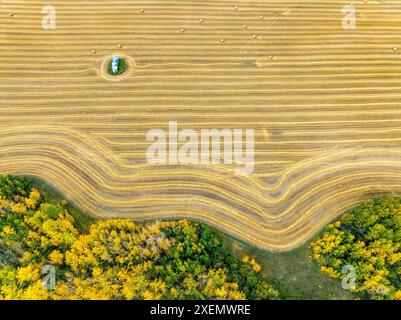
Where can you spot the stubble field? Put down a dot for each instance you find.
(324, 103)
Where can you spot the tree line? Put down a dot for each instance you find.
(116, 259)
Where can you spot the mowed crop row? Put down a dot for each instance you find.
(324, 103)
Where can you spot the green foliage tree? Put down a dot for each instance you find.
(117, 259)
(368, 238)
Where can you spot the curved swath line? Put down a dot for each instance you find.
(64, 146)
(285, 217)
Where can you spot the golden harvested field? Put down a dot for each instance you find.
(324, 103)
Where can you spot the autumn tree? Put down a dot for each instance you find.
(116, 259)
(368, 239)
